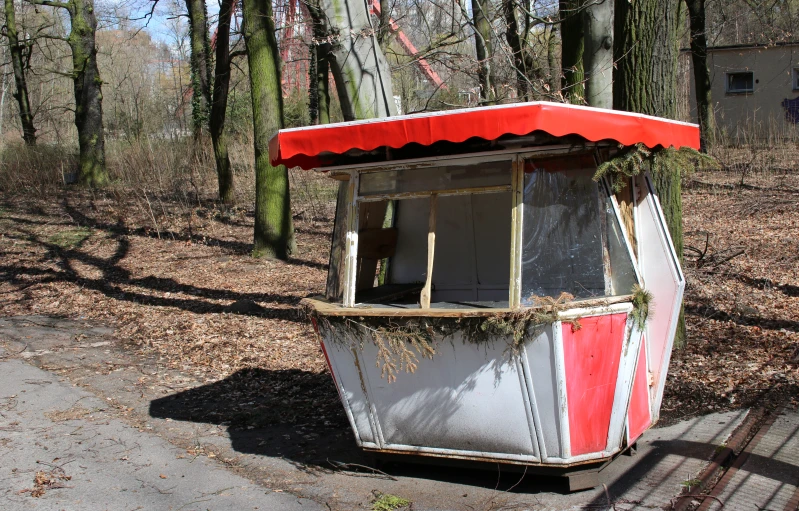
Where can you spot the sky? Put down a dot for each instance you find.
(161, 24)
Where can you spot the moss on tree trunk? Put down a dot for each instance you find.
(200, 66)
(572, 47)
(274, 231)
(319, 72)
(360, 70)
(88, 93)
(704, 106)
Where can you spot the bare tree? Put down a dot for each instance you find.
(20, 52)
(274, 230)
(598, 53)
(219, 105)
(572, 49)
(87, 86)
(359, 67)
(484, 49)
(200, 64)
(704, 107)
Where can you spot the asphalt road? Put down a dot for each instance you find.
(61, 449)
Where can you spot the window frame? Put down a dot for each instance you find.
(795, 79)
(603, 190)
(516, 187)
(729, 74)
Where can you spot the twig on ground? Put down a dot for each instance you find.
(345, 466)
(697, 497)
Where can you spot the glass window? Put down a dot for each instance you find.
(796, 78)
(572, 240)
(433, 179)
(740, 82)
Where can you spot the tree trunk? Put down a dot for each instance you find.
(21, 95)
(319, 79)
(552, 59)
(484, 50)
(384, 30)
(359, 68)
(572, 47)
(646, 50)
(516, 46)
(598, 53)
(219, 105)
(274, 230)
(200, 66)
(704, 106)
(88, 93)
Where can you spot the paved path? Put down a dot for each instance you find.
(766, 475)
(85, 459)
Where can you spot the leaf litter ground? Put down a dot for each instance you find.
(186, 291)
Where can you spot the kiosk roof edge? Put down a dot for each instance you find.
(302, 147)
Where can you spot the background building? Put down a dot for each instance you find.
(755, 89)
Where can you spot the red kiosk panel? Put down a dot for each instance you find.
(638, 416)
(591, 356)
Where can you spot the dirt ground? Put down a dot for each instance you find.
(183, 292)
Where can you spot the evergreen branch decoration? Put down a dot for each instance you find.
(642, 306)
(638, 158)
(401, 342)
(627, 164)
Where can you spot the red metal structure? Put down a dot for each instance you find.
(409, 47)
(294, 34)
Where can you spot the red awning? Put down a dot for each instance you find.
(302, 147)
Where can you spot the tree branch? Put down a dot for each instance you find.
(50, 3)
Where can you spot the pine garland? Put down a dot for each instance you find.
(638, 158)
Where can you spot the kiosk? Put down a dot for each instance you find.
(490, 297)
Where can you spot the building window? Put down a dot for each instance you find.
(741, 82)
(796, 78)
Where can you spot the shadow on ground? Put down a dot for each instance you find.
(61, 263)
(297, 415)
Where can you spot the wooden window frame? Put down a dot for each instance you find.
(514, 156)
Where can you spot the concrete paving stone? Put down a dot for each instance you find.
(770, 475)
(667, 459)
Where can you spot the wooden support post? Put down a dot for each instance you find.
(431, 248)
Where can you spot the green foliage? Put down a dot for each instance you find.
(388, 502)
(399, 344)
(642, 306)
(70, 238)
(638, 158)
(691, 483)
